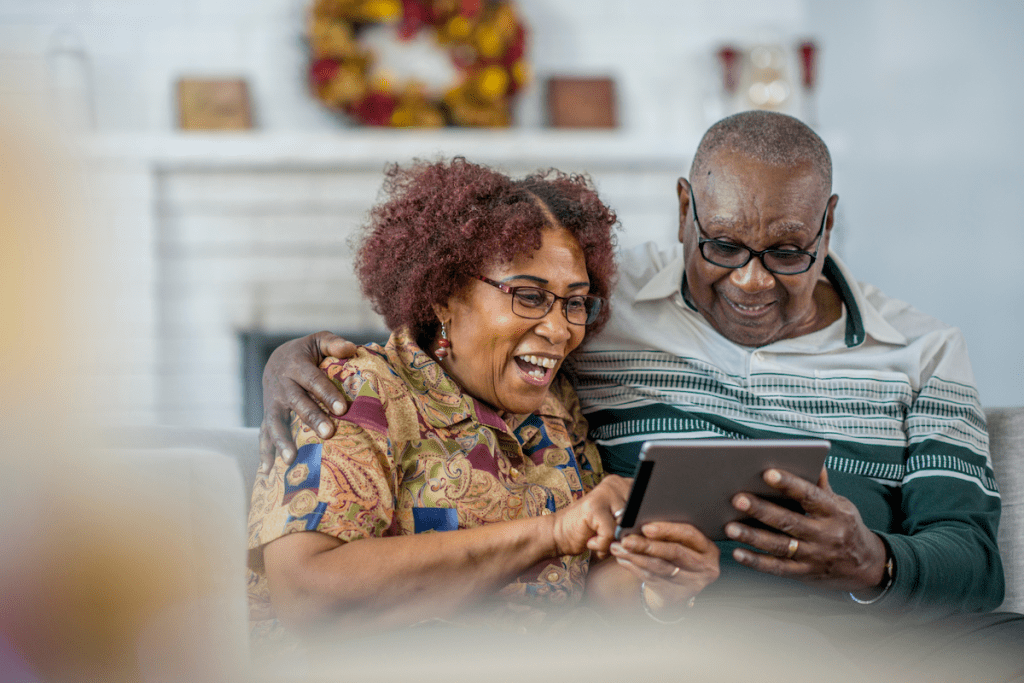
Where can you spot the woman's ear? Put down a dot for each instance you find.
(442, 312)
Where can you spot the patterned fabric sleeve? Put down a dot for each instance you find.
(344, 487)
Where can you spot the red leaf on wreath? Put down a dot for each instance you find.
(322, 71)
(414, 17)
(471, 8)
(375, 109)
(516, 48)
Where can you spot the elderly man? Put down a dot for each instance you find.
(752, 329)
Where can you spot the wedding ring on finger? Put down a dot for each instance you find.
(794, 545)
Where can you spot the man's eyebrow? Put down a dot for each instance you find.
(542, 281)
(779, 229)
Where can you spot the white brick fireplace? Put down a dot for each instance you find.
(213, 236)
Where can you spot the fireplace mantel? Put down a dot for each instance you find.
(372, 148)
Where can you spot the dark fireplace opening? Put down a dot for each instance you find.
(257, 345)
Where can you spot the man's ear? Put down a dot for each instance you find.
(833, 201)
(683, 192)
(830, 221)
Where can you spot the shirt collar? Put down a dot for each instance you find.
(862, 318)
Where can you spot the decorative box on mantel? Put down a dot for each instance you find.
(241, 234)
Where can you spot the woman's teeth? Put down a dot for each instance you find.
(541, 365)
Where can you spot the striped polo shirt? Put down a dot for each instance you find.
(890, 387)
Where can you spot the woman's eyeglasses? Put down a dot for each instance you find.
(535, 302)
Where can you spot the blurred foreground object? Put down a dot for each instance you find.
(418, 63)
(116, 566)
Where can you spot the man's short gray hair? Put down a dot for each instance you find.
(769, 137)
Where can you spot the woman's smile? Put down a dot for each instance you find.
(500, 357)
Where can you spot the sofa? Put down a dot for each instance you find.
(190, 447)
(211, 471)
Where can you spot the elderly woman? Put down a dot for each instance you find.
(461, 424)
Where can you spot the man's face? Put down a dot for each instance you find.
(748, 203)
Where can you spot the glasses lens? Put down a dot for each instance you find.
(725, 254)
(531, 302)
(582, 310)
(787, 263)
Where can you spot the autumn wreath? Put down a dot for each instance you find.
(484, 40)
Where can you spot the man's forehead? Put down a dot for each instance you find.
(730, 172)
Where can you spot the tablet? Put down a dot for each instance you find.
(694, 480)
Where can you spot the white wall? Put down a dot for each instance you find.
(919, 100)
(928, 98)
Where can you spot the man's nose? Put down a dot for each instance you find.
(753, 277)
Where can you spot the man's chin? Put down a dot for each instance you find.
(746, 333)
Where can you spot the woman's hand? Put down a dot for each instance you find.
(674, 560)
(589, 523)
(293, 381)
(828, 544)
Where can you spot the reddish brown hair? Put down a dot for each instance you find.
(442, 223)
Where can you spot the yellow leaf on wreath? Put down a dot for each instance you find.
(521, 72)
(381, 10)
(333, 39)
(346, 87)
(492, 83)
(488, 42)
(505, 22)
(458, 28)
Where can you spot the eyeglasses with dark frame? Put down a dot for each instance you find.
(535, 302)
(778, 261)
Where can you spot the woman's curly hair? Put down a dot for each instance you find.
(442, 223)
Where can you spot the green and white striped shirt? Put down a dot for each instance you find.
(891, 388)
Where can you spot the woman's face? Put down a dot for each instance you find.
(501, 358)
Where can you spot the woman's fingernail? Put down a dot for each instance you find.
(264, 468)
(338, 407)
(740, 555)
(623, 562)
(742, 503)
(617, 549)
(732, 530)
(772, 476)
(287, 455)
(323, 429)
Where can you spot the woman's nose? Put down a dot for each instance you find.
(554, 326)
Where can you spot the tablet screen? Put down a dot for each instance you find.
(694, 480)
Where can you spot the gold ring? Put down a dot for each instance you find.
(675, 571)
(794, 545)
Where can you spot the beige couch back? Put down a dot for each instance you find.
(1006, 441)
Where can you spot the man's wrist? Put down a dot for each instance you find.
(875, 594)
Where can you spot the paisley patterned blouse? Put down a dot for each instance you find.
(414, 454)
